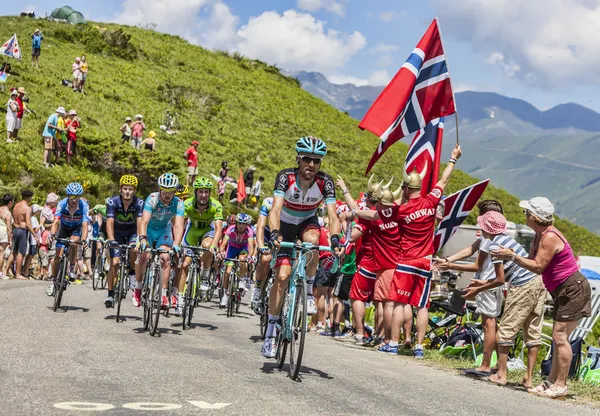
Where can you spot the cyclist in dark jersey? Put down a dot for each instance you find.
(297, 195)
(123, 215)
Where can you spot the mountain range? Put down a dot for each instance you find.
(527, 151)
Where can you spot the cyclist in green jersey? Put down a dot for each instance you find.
(205, 228)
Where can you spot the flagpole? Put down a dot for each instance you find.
(449, 76)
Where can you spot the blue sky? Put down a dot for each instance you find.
(543, 52)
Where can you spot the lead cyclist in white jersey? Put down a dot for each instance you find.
(297, 195)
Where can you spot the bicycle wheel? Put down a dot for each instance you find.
(232, 295)
(169, 291)
(155, 300)
(60, 282)
(221, 288)
(280, 338)
(119, 289)
(103, 275)
(189, 297)
(146, 294)
(211, 285)
(298, 326)
(97, 273)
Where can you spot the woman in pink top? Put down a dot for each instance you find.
(552, 257)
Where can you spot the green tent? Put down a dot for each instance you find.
(68, 14)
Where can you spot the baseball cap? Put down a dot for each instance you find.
(539, 206)
(195, 142)
(492, 222)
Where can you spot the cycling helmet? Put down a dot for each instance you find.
(243, 219)
(98, 208)
(181, 191)
(74, 188)
(203, 183)
(311, 145)
(128, 180)
(168, 181)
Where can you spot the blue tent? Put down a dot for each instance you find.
(590, 274)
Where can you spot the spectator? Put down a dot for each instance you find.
(61, 135)
(137, 131)
(6, 221)
(44, 252)
(191, 155)
(256, 190)
(84, 71)
(11, 115)
(552, 257)
(125, 129)
(22, 231)
(76, 67)
(248, 182)
(72, 124)
(47, 214)
(49, 135)
(150, 142)
(36, 47)
(20, 112)
(33, 239)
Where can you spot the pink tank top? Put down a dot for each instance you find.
(561, 267)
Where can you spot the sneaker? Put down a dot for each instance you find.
(327, 333)
(311, 307)
(419, 354)
(72, 277)
(224, 300)
(337, 334)
(174, 303)
(109, 302)
(137, 295)
(165, 302)
(132, 281)
(386, 348)
(178, 311)
(204, 285)
(50, 290)
(269, 348)
(256, 295)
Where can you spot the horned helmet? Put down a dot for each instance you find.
(414, 179)
(381, 193)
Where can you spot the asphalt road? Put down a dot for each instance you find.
(79, 358)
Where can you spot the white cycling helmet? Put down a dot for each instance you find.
(168, 181)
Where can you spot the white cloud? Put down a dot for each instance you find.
(297, 41)
(384, 48)
(332, 6)
(389, 16)
(537, 41)
(385, 61)
(219, 31)
(377, 78)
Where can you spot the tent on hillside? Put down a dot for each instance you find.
(67, 14)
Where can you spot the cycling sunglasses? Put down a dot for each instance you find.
(308, 159)
(73, 197)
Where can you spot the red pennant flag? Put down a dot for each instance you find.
(241, 190)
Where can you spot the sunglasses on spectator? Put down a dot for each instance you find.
(308, 159)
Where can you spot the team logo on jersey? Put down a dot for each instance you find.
(296, 195)
(328, 186)
(436, 192)
(387, 212)
(125, 217)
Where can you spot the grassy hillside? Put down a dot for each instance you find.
(240, 110)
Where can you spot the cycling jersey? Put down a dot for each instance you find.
(236, 240)
(162, 214)
(297, 206)
(72, 219)
(125, 219)
(265, 208)
(201, 224)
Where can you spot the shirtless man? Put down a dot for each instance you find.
(21, 230)
(6, 221)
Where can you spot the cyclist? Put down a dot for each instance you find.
(263, 236)
(70, 221)
(182, 192)
(124, 214)
(205, 228)
(238, 242)
(298, 193)
(155, 230)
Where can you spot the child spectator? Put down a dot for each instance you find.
(72, 124)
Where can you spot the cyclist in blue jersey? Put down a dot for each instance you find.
(70, 221)
(155, 231)
(263, 236)
(123, 217)
(297, 195)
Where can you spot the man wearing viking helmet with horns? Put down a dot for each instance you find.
(379, 257)
(415, 215)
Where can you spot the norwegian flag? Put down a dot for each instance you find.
(456, 208)
(426, 148)
(11, 48)
(420, 92)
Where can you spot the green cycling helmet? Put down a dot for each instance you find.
(203, 183)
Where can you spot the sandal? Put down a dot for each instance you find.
(541, 388)
(559, 393)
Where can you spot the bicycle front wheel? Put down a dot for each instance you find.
(189, 297)
(119, 293)
(232, 294)
(298, 326)
(97, 274)
(103, 273)
(155, 299)
(61, 281)
(149, 278)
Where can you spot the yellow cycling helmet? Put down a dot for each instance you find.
(181, 191)
(129, 180)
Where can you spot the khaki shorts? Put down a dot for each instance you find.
(193, 170)
(572, 299)
(45, 257)
(49, 143)
(382, 285)
(524, 308)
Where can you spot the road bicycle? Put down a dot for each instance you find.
(100, 274)
(122, 283)
(292, 321)
(235, 296)
(62, 279)
(152, 289)
(192, 293)
(263, 305)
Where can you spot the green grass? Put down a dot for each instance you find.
(241, 110)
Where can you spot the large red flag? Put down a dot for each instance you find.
(241, 191)
(418, 93)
